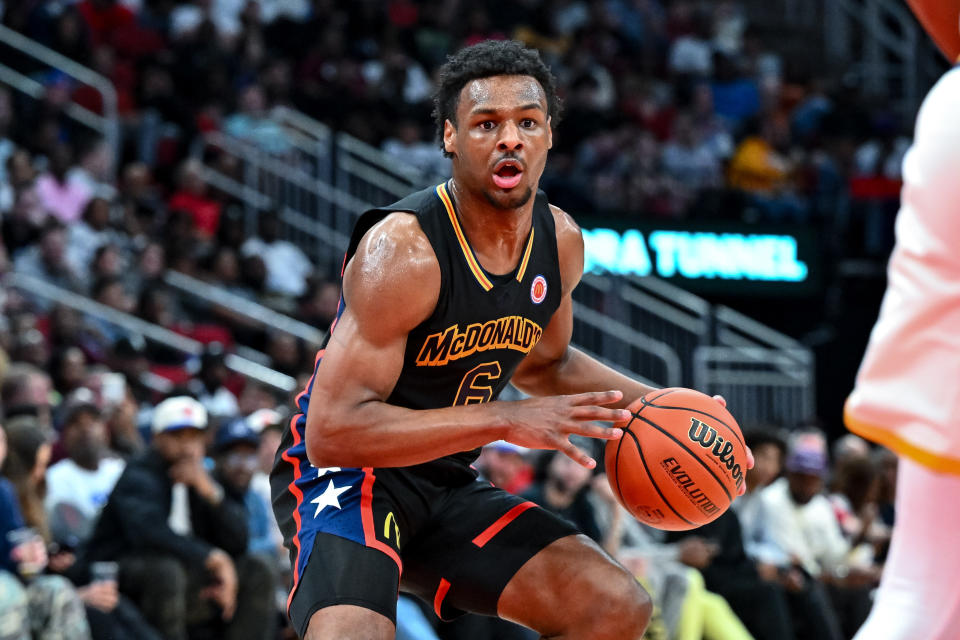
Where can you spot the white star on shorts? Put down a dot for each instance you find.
(322, 471)
(329, 498)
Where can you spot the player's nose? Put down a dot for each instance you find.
(509, 137)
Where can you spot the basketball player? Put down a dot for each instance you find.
(448, 295)
(907, 394)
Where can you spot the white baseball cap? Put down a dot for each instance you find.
(180, 412)
(260, 419)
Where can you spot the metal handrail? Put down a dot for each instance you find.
(252, 153)
(35, 90)
(303, 122)
(660, 350)
(156, 333)
(755, 329)
(111, 127)
(247, 308)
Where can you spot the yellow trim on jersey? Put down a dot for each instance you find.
(464, 246)
(526, 256)
(889, 439)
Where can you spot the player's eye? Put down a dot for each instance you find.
(528, 123)
(487, 125)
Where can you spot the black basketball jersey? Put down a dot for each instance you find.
(483, 325)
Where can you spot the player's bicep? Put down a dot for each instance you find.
(390, 286)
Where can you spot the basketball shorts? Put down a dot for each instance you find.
(358, 536)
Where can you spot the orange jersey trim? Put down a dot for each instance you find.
(462, 239)
(526, 256)
(889, 439)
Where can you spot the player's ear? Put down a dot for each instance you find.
(449, 137)
(549, 133)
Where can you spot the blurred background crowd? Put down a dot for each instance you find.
(673, 109)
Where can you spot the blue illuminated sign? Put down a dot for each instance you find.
(696, 255)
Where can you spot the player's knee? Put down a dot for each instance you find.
(621, 608)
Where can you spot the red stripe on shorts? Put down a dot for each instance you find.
(501, 522)
(295, 490)
(366, 516)
(441, 594)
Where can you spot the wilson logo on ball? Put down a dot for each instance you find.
(708, 438)
(538, 290)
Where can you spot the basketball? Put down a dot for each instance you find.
(680, 461)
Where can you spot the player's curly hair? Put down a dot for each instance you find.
(483, 60)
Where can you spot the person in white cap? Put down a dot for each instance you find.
(178, 539)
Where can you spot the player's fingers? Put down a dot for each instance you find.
(596, 397)
(750, 460)
(721, 400)
(597, 431)
(589, 412)
(576, 454)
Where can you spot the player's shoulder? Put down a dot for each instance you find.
(394, 265)
(565, 224)
(569, 247)
(399, 242)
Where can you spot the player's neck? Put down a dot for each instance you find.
(496, 235)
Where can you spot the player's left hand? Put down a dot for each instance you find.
(750, 460)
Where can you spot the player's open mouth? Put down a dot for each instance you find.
(507, 174)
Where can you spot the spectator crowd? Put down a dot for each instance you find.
(135, 502)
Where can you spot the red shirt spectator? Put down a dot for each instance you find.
(192, 197)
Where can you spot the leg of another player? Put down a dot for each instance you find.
(347, 622)
(572, 590)
(918, 597)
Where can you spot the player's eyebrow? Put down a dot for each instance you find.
(491, 111)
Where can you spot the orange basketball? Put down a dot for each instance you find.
(680, 461)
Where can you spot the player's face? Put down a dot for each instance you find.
(501, 139)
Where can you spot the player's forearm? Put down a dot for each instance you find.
(377, 434)
(577, 372)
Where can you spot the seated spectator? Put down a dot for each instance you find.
(318, 306)
(411, 150)
(503, 464)
(86, 236)
(192, 197)
(50, 607)
(688, 159)
(94, 171)
(64, 199)
(179, 540)
(287, 266)
(110, 291)
(562, 486)
(761, 605)
(803, 524)
(78, 485)
(48, 261)
(67, 366)
(253, 124)
(235, 450)
(687, 610)
(26, 390)
(219, 401)
(855, 488)
(768, 449)
(23, 223)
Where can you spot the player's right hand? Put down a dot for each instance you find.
(548, 422)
